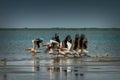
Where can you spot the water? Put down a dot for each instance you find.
(13, 42)
(19, 65)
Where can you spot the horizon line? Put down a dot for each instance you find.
(59, 28)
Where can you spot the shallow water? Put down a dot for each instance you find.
(61, 69)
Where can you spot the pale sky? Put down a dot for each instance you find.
(59, 13)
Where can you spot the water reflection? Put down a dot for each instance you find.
(58, 68)
(52, 67)
(64, 69)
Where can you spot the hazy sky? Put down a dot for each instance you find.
(60, 13)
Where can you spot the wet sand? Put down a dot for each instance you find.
(60, 68)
